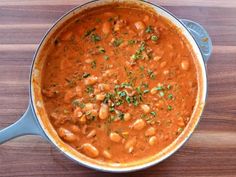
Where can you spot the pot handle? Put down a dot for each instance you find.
(201, 36)
(26, 125)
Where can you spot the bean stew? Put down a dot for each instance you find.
(119, 84)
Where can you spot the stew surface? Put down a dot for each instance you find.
(119, 84)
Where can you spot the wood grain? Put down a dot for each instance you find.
(211, 151)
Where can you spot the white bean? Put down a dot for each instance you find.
(150, 131)
(127, 116)
(106, 27)
(139, 124)
(129, 145)
(152, 141)
(91, 134)
(185, 65)
(103, 112)
(66, 134)
(90, 80)
(100, 97)
(139, 25)
(153, 91)
(90, 150)
(145, 108)
(107, 154)
(115, 137)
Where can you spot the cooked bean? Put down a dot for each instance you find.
(150, 131)
(163, 64)
(106, 27)
(139, 25)
(74, 129)
(78, 112)
(93, 112)
(90, 150)
(91, 134)
(115, 137)
(107, 154)
(180, 121)
(103, 112)
(82, 119)
(157, 58)
(127, 116)
(153, 91)
(84, 129)
(100, 97)
(185, 65)
(166, 72)
(69, 95)
(139, 124)
(145, 108)
(88, 107)
(90, 80)
(146, 18)
(78, 91)
(153, 140)
(66, 134)
(103, 87)
(129, 145)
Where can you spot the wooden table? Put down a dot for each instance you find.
(211, 151)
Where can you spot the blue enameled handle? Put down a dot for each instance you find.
(201, 37)
(26, 125)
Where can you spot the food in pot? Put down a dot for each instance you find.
(119, 83)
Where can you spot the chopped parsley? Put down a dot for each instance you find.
(77, 103)
(117, 42)
(153, 113)
(149, 29)
(151, 74)
(169, 87)
(170, 96)
(162, 93)
(93, 64)
(160, 88)
(106, 57)
(138, 54)
(88, 32)
(85, 75)
(90, 89)
(154, 38)
(169, 108)
(95, 38)
(101, 50)
(131, 42)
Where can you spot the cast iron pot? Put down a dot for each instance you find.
(35, 120)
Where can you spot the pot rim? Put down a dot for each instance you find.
(108, 168)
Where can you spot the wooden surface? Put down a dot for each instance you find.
(211, 151)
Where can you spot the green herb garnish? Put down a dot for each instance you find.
(88, 32)
(117, 42)
(90, 89)
(93, 64)
(169, 108)
(170, 96)
(149, 29)
(153, 113)
(106, 57)
(85, 75)
(95, 38)
(154, 38)
(101, 50)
